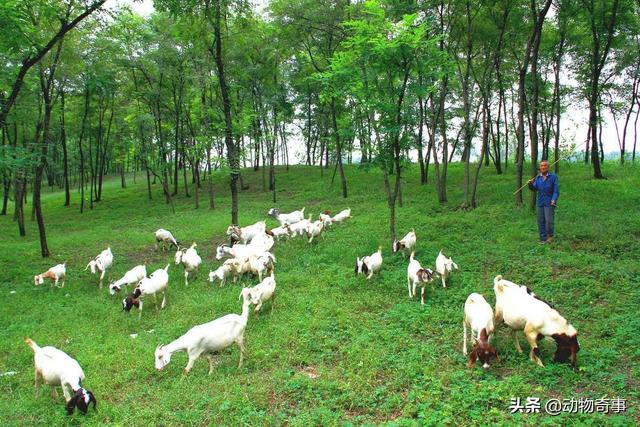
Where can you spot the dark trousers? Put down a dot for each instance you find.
(545, 221)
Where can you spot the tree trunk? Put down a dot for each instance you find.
(532, 42)
(226, 106)
(334, 122)
(65, 157)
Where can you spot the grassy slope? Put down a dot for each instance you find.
(379, 356)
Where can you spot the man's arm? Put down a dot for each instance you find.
(532, 184)
(556, 191)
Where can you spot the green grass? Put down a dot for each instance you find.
(378, 355)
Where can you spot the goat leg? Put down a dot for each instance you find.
(464, 341)
(514, 334)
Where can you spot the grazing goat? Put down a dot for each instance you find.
(368, 265)
(221, 273)
(56, 368)
(478, 316)
(165, 237)
(101, 263)
(189, 259)
(282, 231)
(416, 275)
(55, 274)
(341, 216)
(444, 267)
(262, 292)
(522, 310)
(290, 218)
(314, 230)
(152, 285)
(135, 275)
(208, 338)
(406, 245)
(244, 235)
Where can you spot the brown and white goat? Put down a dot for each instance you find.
(522, 310)
(55, 274)
(478, 316)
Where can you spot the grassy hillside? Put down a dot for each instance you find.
(337, 349)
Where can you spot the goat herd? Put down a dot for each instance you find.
(250, 252)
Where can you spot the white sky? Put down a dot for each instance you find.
(573, 122)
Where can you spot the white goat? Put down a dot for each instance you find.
(56, 368)
(189, 259)
(262, 292)
(259, 245)
(369, 264)
(221, 273)
(255, 264)
(152, 285)
(342, 216)
(135, 275)
(416, 275)
(290, 218)
(208, 338)
(55, 274)
(478, 316)
(325, 217)
(522, 310)
(300, 228)
(262, 242)
(101, 263)
(444, 267)
(246, 234)
(315, 229)
(282, 231)
(165, 237)
(406, 245)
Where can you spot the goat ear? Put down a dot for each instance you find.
(93, 399)
(472, 357)
(71, 404)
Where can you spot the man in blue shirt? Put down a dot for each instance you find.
(546, 184)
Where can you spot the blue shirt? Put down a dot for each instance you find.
(547, 189)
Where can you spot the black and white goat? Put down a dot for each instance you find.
(406, 245)
(368, 265)
(153, 285)
(56, 368)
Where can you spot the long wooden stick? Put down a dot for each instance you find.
(561, 158)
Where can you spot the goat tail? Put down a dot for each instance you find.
(167, 267)
(31, 343)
